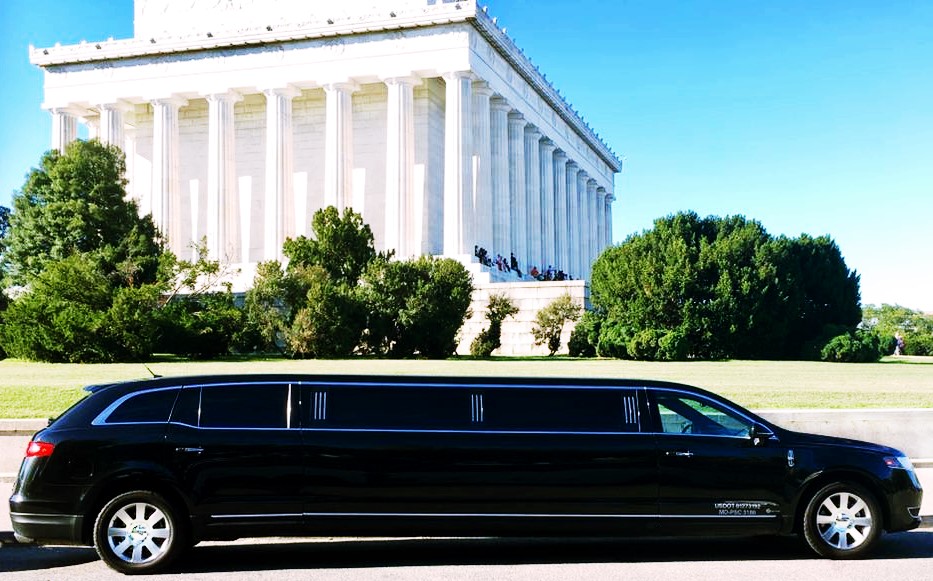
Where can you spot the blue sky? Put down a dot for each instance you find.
(811, 117)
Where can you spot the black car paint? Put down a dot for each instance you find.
(308, 480)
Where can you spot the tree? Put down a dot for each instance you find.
(76, 203)
(550, 321)
(914, 328)
(342, 245)
(499, 308)
(4, 225)
(416, 306)
(720, 288)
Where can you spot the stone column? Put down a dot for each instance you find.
(600, 220)
(279, 194)
(400, 166)
(64, 128)
(547, 204)
(222, 199)
(533, 249)
(166, 196)
(592, 219)
(561, 213)
(517, 200)
(610, 198)
(573, 221)
(458, 157)
(583, 227)
(338, 145)
(499, 132)
(483, 210)
(111, 124)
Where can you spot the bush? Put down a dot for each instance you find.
(550, 321)
(499, 308)
(917, 344)
(643, 346)
(331, 321)
(673, 346)
(201, 326)
(585, 336)
(857, 347)
(613, 340)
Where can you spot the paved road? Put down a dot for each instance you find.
(902, 557)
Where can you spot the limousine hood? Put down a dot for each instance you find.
(819, 440)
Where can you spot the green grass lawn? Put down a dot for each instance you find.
(38, 390)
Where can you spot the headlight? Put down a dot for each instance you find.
(902, 462)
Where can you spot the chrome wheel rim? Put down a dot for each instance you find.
(844, 521)
(139, 533)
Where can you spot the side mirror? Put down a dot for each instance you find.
(760, 435)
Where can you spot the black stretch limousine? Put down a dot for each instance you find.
(143, 470)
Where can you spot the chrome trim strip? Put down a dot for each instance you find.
(288, 408)
(534, 515)
(272, 515)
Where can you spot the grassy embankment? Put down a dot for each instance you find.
(37, 390)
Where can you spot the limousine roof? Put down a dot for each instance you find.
(389, 380)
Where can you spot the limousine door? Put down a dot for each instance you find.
(238, 453)
(455, 460)
(712, 473)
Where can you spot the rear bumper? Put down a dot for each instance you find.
(49, 528)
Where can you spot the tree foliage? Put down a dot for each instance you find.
(914, 327)
(75, 203)
(719, 288)
(339, 296)
(498, 309)
(550, 321)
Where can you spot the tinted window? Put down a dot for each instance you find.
(686, 414)
(187, 407)
(560, 410)
(147, 407)
(416, 408)
(244, 406)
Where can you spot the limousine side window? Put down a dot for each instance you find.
(560, 410)
(685, 414)
(143, 408)
(244, 406)
(395, 408)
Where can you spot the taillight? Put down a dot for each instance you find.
(39, 449)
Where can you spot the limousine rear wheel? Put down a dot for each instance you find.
(842, 521)
(138, 532)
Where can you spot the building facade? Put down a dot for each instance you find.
(240, 118)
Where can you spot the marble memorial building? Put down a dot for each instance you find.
(240, 118)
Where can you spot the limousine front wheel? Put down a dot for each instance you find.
(842, 521)
(138, 532)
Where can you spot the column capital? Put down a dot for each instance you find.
(532, 131)
(407, 80)
(515, 117)
(561, 156)
(223, 97)
(499, 104)
(458, 75)
(591, 184)
(72, 110)
(169, 101)
(546, 143)
(287, 91)
(482, 88)
(342, 86)
(116, 105)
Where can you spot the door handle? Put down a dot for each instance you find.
(190, 450)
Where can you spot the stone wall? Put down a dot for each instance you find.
(529, 297)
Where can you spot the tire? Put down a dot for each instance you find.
(139, 532)
(842, 521)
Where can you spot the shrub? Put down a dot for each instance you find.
(643, 346)
(585, 336)
(917, 344)
(673, 346)
(613, 340)
(201, 326)
(857, 347)
(331, 321)
(499, 308)
(550, 321)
